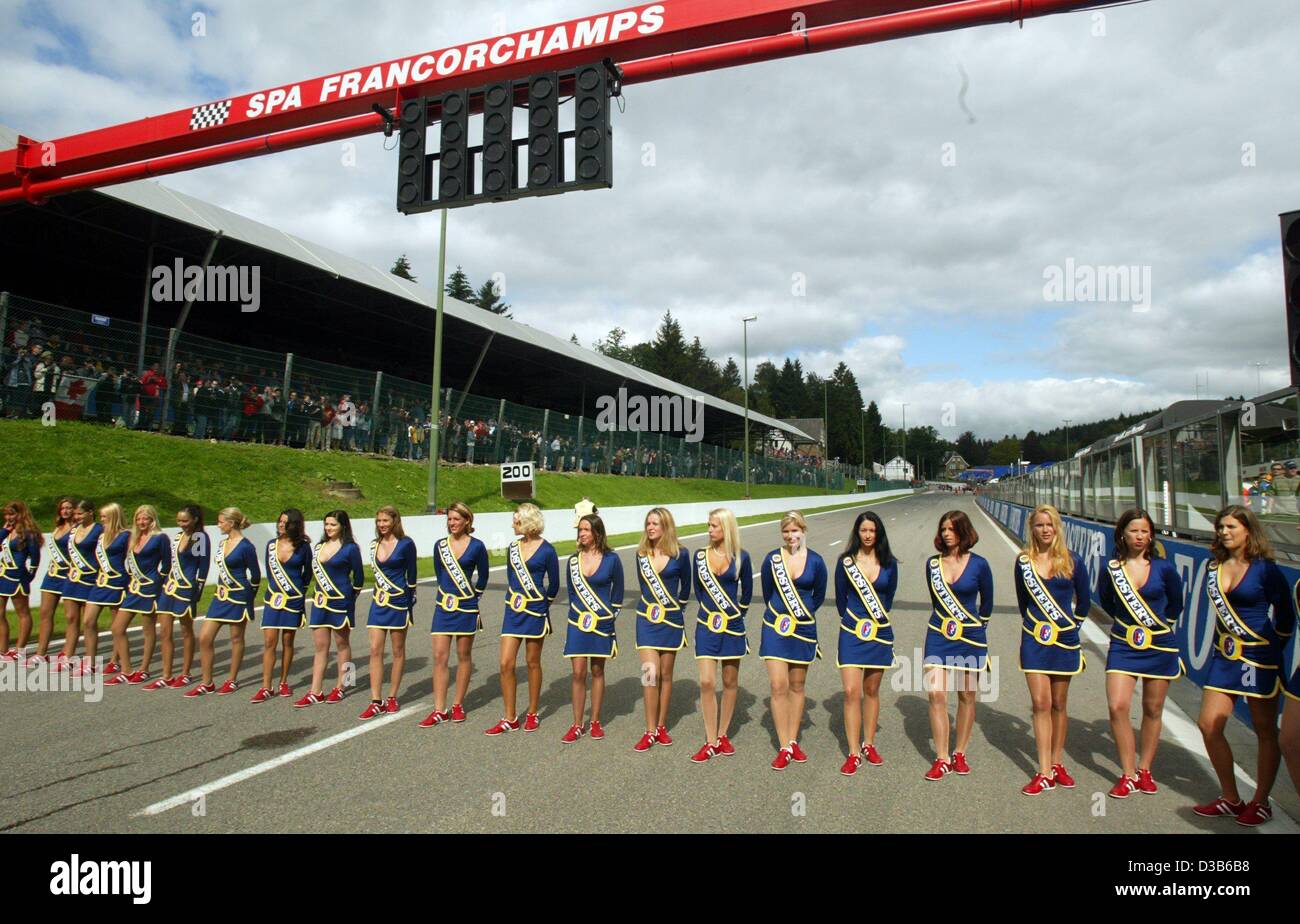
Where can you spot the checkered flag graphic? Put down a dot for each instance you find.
(210, 115)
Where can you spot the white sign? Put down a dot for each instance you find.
(516, 471)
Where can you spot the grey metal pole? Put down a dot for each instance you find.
(501, 421)
(144, 311)
(745, 326)
(546, 435)
(284, 399)
(374, 412)
(435, 420)
(174, 335)
(455, 415)
(4, 318)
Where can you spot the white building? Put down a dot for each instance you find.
(899, 469)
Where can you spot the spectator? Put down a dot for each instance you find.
(45, 380)
(1286, 480)
(327, 415)
(152, 384)
(18, 382)
(345, 421)
(363, 427)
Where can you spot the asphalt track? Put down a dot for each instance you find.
(157, 762)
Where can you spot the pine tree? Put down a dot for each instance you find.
(489, 299)
(403, 268)
(458, 286)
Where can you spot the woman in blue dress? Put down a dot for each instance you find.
(284, 602)
(394, 563)
(109, 589)
(460, 562)
(55, 580)
(339, 574)
(1144, 595)
(148, 559)
(794, 586)
(664, 577)
(1054, 594)
(82, 574)
(956, 640)
(238, 575)
(180, 596)
(724, 587)
(1244, 587)
(594, 576)
(20, 556)
(532, 583)
(866, 578)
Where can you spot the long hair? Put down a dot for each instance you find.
(154, 529)
(730, 531)
(391, 511)
(114, 514)
(668, 543)
(84, 506)
(1257, 545)
(58, 512)
(345, 527)
(295, 526)
(962, 526)
(1121, 543)
(1058, 551)
(235, 516)
(196, 527)
(883, 553)
(598, 540)
(25, 529)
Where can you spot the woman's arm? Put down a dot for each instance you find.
(1082, 588)
(746, 587)
(843, 587)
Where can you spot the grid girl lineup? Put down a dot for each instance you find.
(100, 564)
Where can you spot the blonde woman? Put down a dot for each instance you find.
(148, 559)
(1054, 593)
(284, 602)
(110, 583)
(55, 580)
(461, 564)
(724, 585)
(83, 571)
(532, 583)
(180, 595)
(663, 572)
(238, 575)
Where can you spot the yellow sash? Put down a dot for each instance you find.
(958, 619)
(866, 629)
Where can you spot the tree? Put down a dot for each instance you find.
(489, 299)
(614, 345)
(573, 338)
(403, 268)
(458, 286)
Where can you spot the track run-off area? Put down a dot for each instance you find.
(138, 761)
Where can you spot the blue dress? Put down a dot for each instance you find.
(110, 583)
(1049, 640)
(593, 603)
(866, 633)
(531, 588)
(18, 562)
(186, 577)
(1247, 655)
(56, 573)
(395, 581)
(145, 572)
(724, 603)
(461, 581)
(85, 566)
(959, 640)
(284, 602)
(337, 582)
(790, 630)
(1142, 642)
(661, 612)
(238, 575)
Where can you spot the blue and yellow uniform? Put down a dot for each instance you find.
(531, 588)
(19, 558)
(866, 633)
(661, 613)
(395, 580)
(1247, 655)
(238, 575)
(85, 566)
(1291, 675)
(186, 577)
(56, 573)
(593, 603)
(284, 602)
(1142, 642)
(145, 570)
(457, 609)
(790, 620)
(1051, 612)
(337, 582)
(724, 603)
(110, 582)
(957, 634)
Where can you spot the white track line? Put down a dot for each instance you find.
(188, 797)
(1176, 722)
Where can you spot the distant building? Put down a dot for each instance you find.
(954, 465)
(899, 469)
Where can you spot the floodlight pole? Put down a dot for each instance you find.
(435, 415)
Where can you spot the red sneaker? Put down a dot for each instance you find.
(851, 764)
(782, 759)
(724, 747)
(285, 690)
(531, 722)
(661, 736)
(573, 734)
(85, 667)
(1144, 782)
(434, 718)
(646, 743)
(872, 756)
(1061, 777)
(1123, 788)
(116, 680)
(1254, 814)
(227, 688)
(938, 770)
(597, 731)
(177, 683)
(311, 699)
(158, 684)
(261, 696)
(62, 663)
(390, 705)
(457, 712)
(1039, 784)
(202, 689)
(111, 668)
(35, 661)
(137, 678)
(374, 709)
(703, 754)
(336, 696)
(10, 655)
(959, 765)
(505, 725)
(1220, 806)
(797, 753)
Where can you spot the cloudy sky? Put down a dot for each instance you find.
(923, 221)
